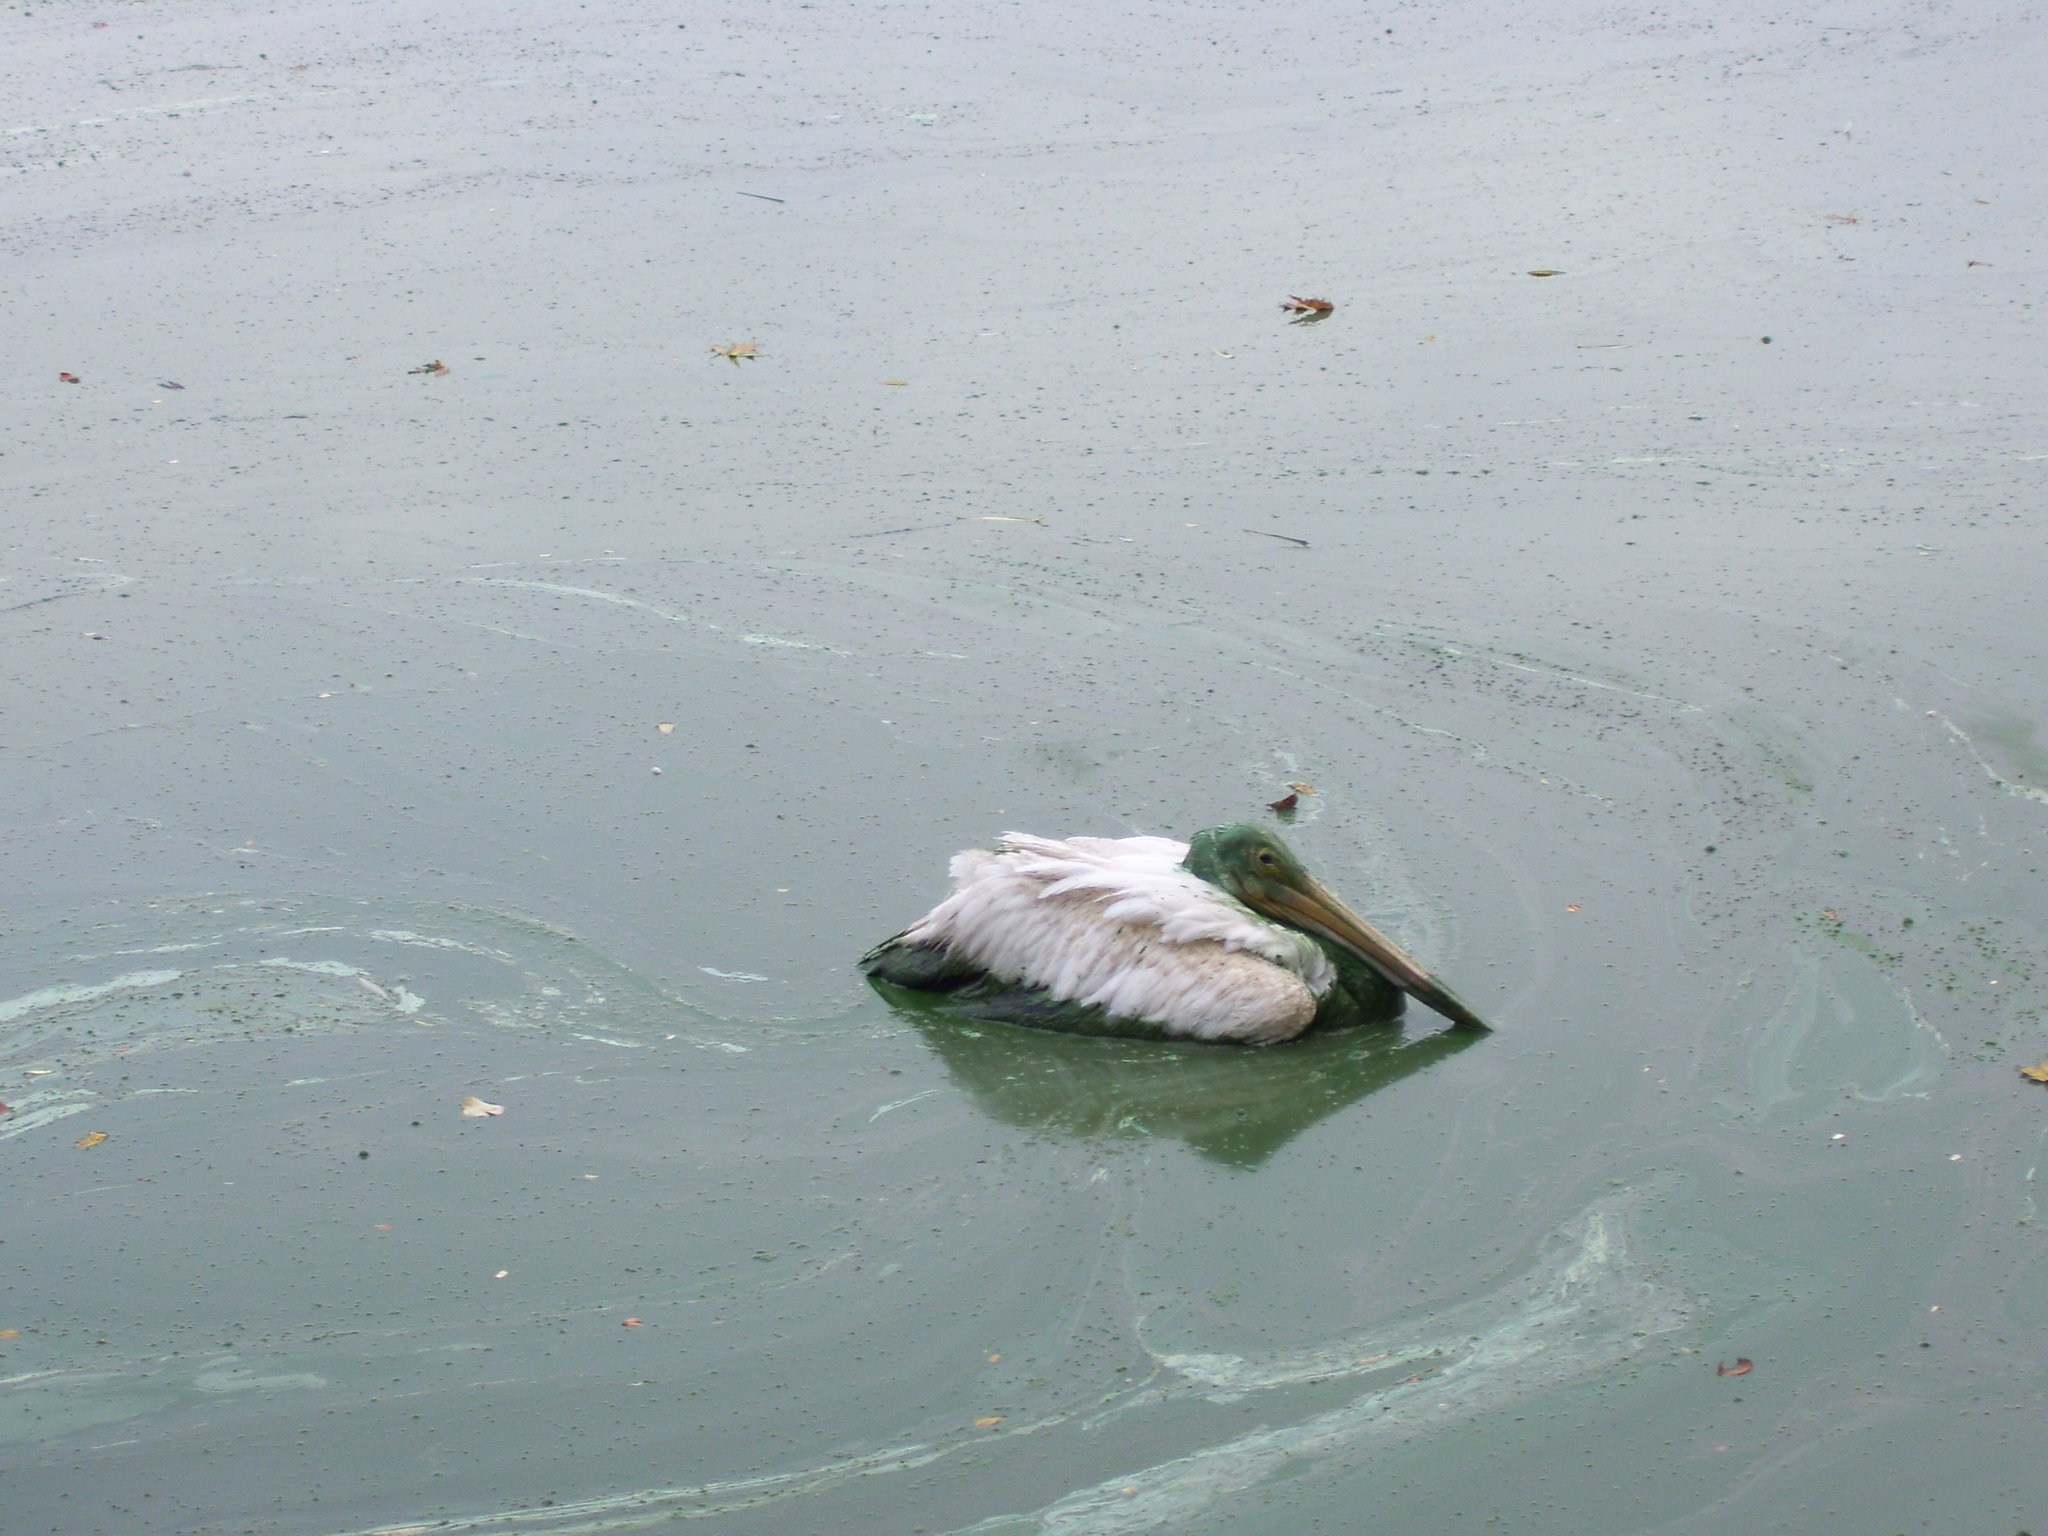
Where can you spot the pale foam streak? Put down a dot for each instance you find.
(1585, 1308)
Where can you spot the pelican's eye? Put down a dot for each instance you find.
(1266, 857)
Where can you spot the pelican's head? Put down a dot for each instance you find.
(1262, 872)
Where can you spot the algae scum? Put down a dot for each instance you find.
(557, 729)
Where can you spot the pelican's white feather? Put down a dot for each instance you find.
(1117, 924)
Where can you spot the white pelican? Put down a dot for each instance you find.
(1226, 937)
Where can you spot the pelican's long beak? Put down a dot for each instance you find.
(1312, 906)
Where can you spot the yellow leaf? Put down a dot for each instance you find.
(10, 1333)
(91, 1139)
(896, 381)
(994, 1418)
(2037, 1074)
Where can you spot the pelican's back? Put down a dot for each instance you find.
(1116, 925)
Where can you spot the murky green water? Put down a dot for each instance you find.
(1678, 696)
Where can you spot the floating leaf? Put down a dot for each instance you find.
(476, 1108)
(1284, 804)
(436, 366)
(992, 1419)
(631, 1322)
(1741, 1367)
(1545, 272)
(69, 378)
(10, 1333)
(1843, 218)
(898, 383)
(90, 1139)
(1303, 789)
(1301, 306)
(1572, 906)
(736, 350)
(6, 1109)
(2036, 1074)
(667, 728)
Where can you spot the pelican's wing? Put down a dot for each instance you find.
(1116, 924)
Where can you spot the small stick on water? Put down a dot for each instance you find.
(763, 196)
(1287, 538)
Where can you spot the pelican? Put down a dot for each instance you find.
(1225, 937)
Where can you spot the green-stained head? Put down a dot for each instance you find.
(1262, 872)
(1245, 860)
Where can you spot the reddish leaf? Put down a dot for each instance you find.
(1741, 1367)
(1284, 804)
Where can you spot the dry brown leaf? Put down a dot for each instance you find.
(2036, 1074)
(1303, 789)
(1284, 804)
(10, 1333)
(994, 1418)
(1300, 306)
(631, 1322)
(1741, 1367)
(476, 1108)
(436, 366)
(90, 1139)
(736, 350)
(899, 383)
(1572, 907)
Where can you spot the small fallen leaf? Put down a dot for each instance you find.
(1571, 906)
(736, 350)
(1303, 789)
(898, 383)
(1300, 306)
(994, 1418)
(2036, 1074)
(382, 1226)
(90, 1139)
(1741, 1367)
(631, 1322)
(10, 1333)
(501, 1274)
(992, 1359)
(69, 378)
(1284, 804)
(667, 728)
(1545, 272)
(1843, 218)
(476, 1108)
(436, 366)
